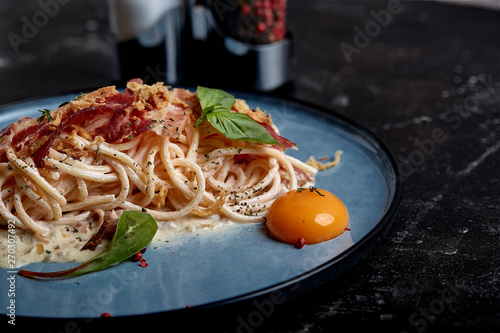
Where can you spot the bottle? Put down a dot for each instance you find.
(147, 37)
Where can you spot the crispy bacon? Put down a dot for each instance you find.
(96, 239)
(120, 101)
(31, 138)
(114, 130)
(143, 126)
(115, 103)
(6, 131)
(302, 177)
(136, 80)
(28, 134)
(284, 141)
(244, 158)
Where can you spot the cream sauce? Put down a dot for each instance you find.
(64, 243)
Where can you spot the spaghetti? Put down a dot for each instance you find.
(106, 152)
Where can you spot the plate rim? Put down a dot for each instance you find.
(327, 269)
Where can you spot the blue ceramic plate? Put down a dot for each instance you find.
(237, 263)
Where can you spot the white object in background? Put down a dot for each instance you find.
(491, 4)
(130, 18)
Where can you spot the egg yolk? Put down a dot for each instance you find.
(313, 215)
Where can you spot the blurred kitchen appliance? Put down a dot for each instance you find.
(235, 44)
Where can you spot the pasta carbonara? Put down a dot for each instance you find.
(79, 166)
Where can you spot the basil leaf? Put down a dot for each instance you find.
(134, 231)
(213, 100)
(216, 108)
(239, 126)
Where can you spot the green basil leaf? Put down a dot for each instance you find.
(213, 100)
(134, 231)
(216, 106)
(239, 126)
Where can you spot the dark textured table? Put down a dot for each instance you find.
(424, 79)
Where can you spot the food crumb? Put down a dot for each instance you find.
(143, 263)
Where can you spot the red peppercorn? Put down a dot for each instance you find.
(143, 263)
(300, 243)
(137, 256)
(246, 9)
(268, 16)
(261, 27)
(279, 33)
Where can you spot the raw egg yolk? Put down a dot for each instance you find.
(313, 215)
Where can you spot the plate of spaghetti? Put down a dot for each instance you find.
(206, 166)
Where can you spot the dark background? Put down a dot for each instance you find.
(434, 67)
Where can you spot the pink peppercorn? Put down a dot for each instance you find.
(261, 27)
(246, 9)
(300, 243)
(143, 263)
(137, 256)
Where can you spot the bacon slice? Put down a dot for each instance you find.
(244, 158)
(113, 104)
(6, 131)
(30, 134)
(284, 141)
(115, 130)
